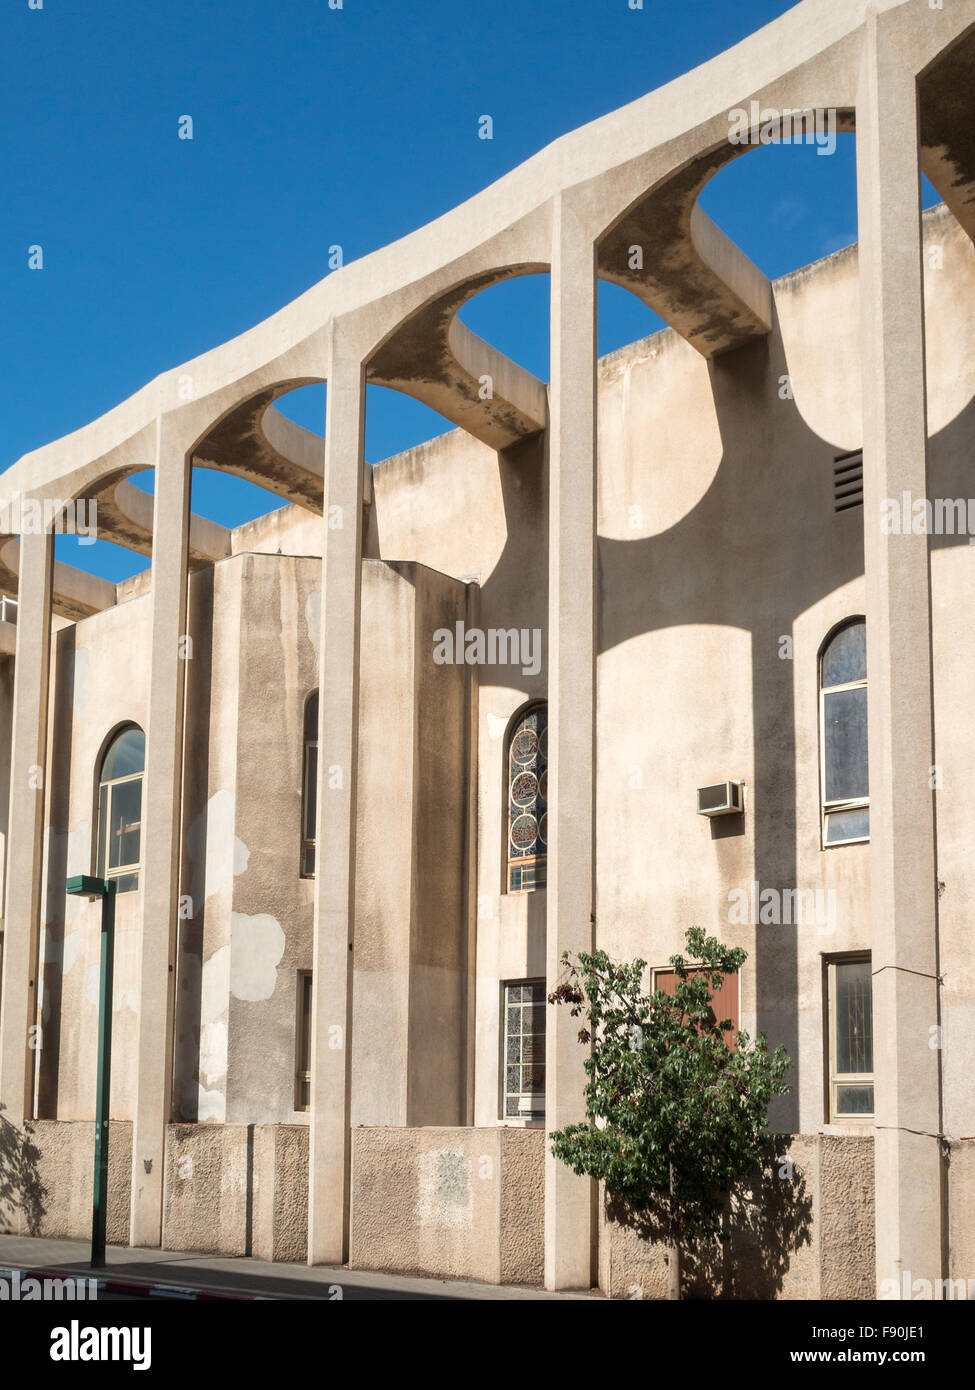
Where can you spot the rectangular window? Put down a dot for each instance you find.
(120, 832)
(303, 1043)
(849, 990)
(844, 770)
(309, 811)
(523, 1064)
(845, 723)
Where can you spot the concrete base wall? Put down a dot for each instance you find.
(455, 1203)
(961, 1210)
(229, 1189)
(208, 1201)
(281, 1201)
(46, 1178)
(805, 1232)
(468, 1203)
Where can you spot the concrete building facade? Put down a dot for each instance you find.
(349, 860)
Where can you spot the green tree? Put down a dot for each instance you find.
(675, 1114)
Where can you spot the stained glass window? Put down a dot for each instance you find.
(120, 809)
(527, 822)
(843, 736)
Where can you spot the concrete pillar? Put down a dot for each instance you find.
(338, 708)
(902, 859)
(571, 718)
(28, 771)
(160, 832)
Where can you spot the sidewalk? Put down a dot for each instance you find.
(182, 1274)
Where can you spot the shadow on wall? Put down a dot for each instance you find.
(21, 1188)
(781, 481)
(51, 965)
(767, 1219)
(196, 786)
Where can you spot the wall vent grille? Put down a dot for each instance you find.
(848, 481)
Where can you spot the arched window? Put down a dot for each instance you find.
(309, 788)
(527, 783)
(843, 735)
(120, 809)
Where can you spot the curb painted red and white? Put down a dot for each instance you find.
(139, 1287)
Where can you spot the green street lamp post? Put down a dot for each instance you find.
(84, 886)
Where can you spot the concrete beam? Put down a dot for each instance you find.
(23, 878)
(948, 131)
(804, 55)
(436, 359)
(250, 446)
(571, 720)
(76, 594)
(160, 838)
(125, 517)
(687, 270)
(909, 1216)
(335, 865)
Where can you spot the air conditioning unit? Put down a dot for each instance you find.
(721, 799)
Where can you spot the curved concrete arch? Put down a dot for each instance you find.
(75, 594)
(261, 445)
(392, 317)
(668, 141)
(948, 127)
(125, 517)
(435, 358)
(689, 272)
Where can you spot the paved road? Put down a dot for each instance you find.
(214, 1276)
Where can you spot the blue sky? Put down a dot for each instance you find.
(311, 127)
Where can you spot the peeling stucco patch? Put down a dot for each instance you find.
(211, 1105)
(208, 1091)
(121, 998)
(496, 726)
(219, 855)
(213, 1017)
(69, 952)
(257, 944)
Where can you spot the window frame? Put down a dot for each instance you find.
(829, 808)
(302, 1076)
(834, 1078)
(537, 860)
(527, 1120)
(309, 844)
(101, 855)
